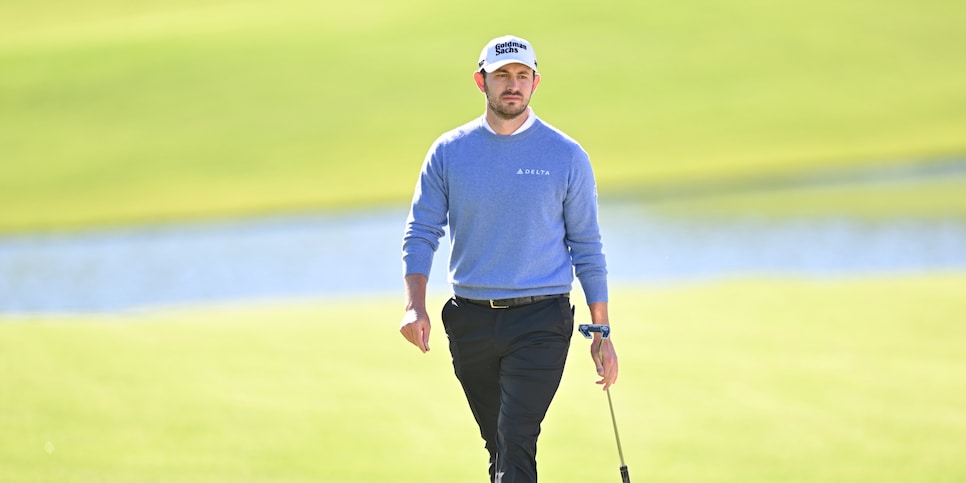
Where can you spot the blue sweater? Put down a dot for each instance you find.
(521, 209)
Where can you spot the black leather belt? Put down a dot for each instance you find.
(512, 302)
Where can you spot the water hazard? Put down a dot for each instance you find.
(359, 253)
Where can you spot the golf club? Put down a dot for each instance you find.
(585, 330)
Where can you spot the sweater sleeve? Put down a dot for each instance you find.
(583, 229)
(427, 217)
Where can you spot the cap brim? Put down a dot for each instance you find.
(496, 65)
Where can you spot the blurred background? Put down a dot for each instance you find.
(198, 200)
(138, 137)
(119, 112)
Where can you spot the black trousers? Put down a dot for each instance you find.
(509, 362)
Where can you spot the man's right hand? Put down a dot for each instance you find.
(415, 328)
(415, 324)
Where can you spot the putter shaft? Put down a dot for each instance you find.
(625, 475)
(617, 436)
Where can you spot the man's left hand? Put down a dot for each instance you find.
(605, 358)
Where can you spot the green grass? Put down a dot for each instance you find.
(852, 380)
(130, 111)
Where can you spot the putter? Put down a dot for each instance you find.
(585, 330)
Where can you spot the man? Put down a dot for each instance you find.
(520, 200)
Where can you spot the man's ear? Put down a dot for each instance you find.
(480, 82)
(536, 80)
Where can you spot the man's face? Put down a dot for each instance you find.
(508, 89)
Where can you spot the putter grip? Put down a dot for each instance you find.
(625, 476)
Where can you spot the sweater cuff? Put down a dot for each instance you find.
(595, 288)
(413, 263)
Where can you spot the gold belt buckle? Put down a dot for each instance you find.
(492, 306)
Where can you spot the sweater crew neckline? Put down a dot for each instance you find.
(531, 120)
(509, 138)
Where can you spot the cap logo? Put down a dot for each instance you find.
(508, 47)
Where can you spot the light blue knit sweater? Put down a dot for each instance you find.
(521, 209)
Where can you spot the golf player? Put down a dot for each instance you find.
(520, 201)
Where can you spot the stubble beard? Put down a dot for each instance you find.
(506, 112)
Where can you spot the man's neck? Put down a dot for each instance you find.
(506, 127)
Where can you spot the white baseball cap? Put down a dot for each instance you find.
(507, 49)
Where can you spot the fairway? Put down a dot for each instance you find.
(116, 112)
(852, 380)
